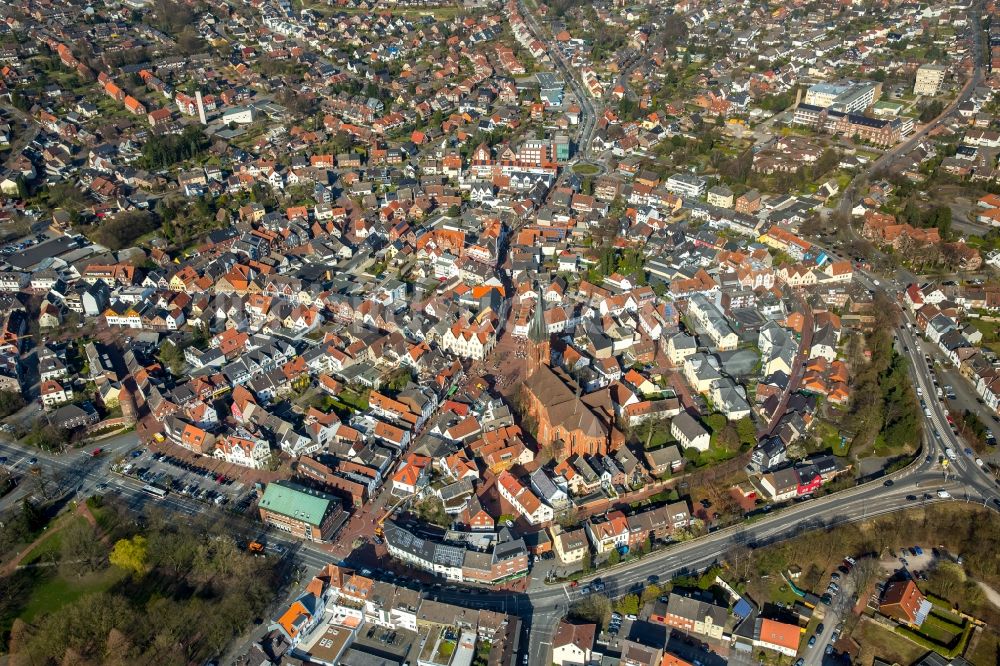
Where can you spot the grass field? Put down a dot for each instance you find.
(990, 331)
(773, 588)
(51, 585)
(584, 169)
(47, 549)
(830, 437)
(877, 641)
(358, 401)
(56, 589)
(659, 437)
(939, 631)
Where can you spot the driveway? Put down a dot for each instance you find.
(841, 606)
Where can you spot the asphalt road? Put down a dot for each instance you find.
(839, 608)
(543, 605)
(588, 110)
(76, 468)
(848, 200)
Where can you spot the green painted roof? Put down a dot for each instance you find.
(296, 501)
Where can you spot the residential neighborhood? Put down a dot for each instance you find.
(503, 332)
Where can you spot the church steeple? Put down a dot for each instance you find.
(538, 335)
(538, 331)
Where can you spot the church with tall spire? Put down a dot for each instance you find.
(539, 340)
(580, 424)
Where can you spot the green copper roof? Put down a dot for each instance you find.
(294, 501)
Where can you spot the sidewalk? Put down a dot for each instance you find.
(81, 510)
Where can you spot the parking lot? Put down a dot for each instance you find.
(186, 478)
(24, 243)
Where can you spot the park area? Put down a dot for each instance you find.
(94, 583)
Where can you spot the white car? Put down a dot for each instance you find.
(943, 494)
(950, 452)
(979, 461)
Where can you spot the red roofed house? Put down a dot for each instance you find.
(609, 533)
(304, 614)
(53, 393)
(573, 644)
(777, 636)
(523, 500)
(412, 475)
(159, 117)
(903, 601)
(135, 106)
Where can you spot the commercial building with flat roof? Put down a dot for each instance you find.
(303, 512)
(845, 96)
(329, 646)
(457, 558)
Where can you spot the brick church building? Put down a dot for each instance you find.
(582, 424)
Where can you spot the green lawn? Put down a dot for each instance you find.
(45, 550)
(658, 438)
(939, 631)
(774, 589)
(831, 439)
(106, 519)
(990, 331)
(943, 612)
(358, 401)
(984, 650)
(584, 169)
(57, 590)
(53, 585)
(51, 544)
